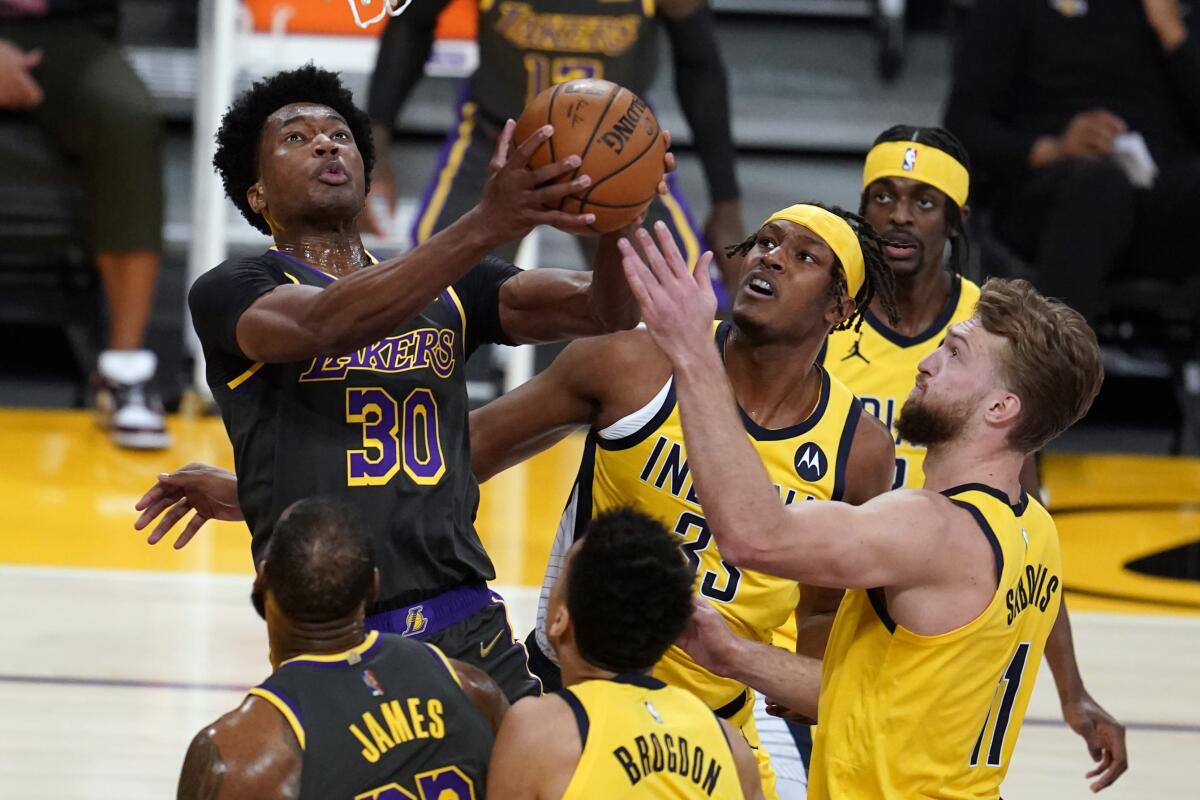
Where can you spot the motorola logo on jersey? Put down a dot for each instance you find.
(811, 463)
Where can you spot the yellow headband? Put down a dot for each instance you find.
(920, 162)
(836, 232)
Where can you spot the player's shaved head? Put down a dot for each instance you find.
(629, 591)
(319, 564)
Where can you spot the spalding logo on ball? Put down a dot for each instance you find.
(615, 135)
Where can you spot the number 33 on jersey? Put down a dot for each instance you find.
(641, 460)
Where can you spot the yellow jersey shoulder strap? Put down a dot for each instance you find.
(990, 507)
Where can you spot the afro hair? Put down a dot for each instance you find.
(240, 134)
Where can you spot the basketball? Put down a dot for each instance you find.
(616, 135)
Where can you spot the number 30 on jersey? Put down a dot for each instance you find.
(394, 436)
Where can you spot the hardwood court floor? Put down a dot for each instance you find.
(115, 653)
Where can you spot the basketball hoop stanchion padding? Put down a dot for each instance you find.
(390, 8)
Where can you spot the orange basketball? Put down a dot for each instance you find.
(615, 134)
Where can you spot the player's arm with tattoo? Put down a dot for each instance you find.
(248, 753)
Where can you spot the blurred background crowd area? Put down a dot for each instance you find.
(811, 83)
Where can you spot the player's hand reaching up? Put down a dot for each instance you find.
(210, 491)
(1105, 738)
(677, 305)
(516, 198)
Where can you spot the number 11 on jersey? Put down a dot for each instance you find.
(1011, 681)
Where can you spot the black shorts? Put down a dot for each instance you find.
(485, 640)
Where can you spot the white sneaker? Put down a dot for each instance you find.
(128, 405)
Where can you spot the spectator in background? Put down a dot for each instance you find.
(1045, 96)
(525, 47)
(60, 64)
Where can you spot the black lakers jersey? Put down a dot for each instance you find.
(388, 718)
(383, 428)
(529, 45)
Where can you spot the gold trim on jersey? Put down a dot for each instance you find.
(353, 655)
(442, 656)
(446, 177)
(283, 708)
(245, 376)
(462, 315)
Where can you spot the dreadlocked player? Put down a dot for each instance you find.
(805, 271)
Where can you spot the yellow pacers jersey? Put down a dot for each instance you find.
(880, 366)
(644, 739)
(904, 715)
(648, 467)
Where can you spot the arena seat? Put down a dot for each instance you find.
(47, 278)
(1149, 328)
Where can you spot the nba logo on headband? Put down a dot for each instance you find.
(910, 159)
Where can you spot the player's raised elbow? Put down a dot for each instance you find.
(611, 318)
(751, 545)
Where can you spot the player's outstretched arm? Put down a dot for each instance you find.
(786, 678)
(248, 754)
(549, 305)
(870, 469)
(743, 759)
(565, 396)
(702, 86)
(536, 751)
(210, 491)
(1105, 737)
(484, 693)
(884, 542)
(293, 322)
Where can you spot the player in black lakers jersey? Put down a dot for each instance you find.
(615, 732)
(528, 45)
(337, 376)
(818, 441)
(346, 713)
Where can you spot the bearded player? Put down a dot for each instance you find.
(953, 588)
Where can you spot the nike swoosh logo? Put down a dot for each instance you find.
(486, 649)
